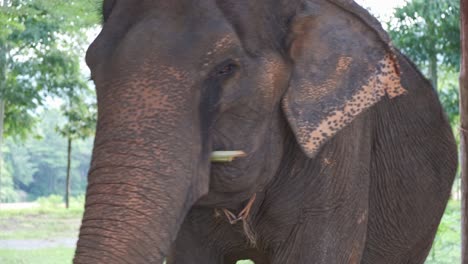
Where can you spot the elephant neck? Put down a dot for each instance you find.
(303, 186)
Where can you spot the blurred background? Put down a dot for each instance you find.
(48, 112)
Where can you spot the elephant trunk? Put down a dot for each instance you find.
(123, 224)
(148, 169)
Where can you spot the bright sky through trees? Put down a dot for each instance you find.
(381, 8)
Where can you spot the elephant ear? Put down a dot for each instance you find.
(342, 65)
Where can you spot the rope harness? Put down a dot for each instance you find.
(243, 215)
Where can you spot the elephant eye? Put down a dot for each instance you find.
(226, 69)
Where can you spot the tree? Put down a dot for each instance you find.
(34, 41)
(7, 191)
(81, 120)
(428, 32)
(79, 109)
(34, 52)
(464, 126)
(37, 165)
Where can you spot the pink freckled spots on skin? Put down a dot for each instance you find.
(223, 43)
(385, 81)
(220, 45)
(274, 71)
(149, 93)
(174, 73)
(343, 65)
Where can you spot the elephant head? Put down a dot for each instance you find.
(178, 79)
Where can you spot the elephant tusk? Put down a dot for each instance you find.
(226, 156)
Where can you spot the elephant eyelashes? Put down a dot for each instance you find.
(226, 69)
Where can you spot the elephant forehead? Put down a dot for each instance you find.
(148, 90)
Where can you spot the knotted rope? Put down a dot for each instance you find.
(243, 216)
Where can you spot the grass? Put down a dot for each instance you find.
(50, 212)
(52, 206)
(37, 256)
(49, 219)
(446, 248)
(38, 226)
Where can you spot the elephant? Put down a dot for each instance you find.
(349, 157)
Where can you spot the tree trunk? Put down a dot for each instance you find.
(67, 185)
(2, 106)
(464, 126)
(3, 67)
(2, 115)
(433, 71)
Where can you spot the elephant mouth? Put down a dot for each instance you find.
(232, 176)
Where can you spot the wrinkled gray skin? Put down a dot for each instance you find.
(348, 149)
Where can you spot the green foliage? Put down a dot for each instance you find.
(446, 248)
(44, 219)
(424, 28)
(449, 95)
(40, 42)
(21, 164)
(37, 256)
(40, 169)
(50, 201)
(48, 212)
(55, 201)
(8, 193)
(40, 51)
(80, 113)
(428, 32)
